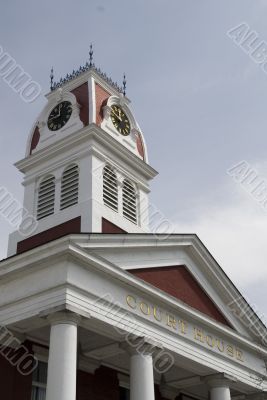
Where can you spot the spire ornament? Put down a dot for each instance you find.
(91, 53)
(89, 66)
(124, 84)
(52, 78)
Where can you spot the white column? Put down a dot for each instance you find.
(141, 377)
(62, 362)
(220, 386)
(220, 393)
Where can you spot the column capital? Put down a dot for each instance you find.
(219, 380)
(64, 317)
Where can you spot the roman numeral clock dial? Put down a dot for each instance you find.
(120, 120)
(59, 116)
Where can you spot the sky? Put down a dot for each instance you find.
(198, 95)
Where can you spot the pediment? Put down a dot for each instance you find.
(178, 282)
(182, 267)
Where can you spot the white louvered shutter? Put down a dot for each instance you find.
(69, 187)
(46, 197)
(129, 201)
(110, 188)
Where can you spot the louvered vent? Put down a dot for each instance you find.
(129, 201)
(69, 187)
(46, 197)
(110, 188)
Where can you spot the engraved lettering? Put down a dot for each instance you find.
(131, 301)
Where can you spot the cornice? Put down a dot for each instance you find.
(91, 133)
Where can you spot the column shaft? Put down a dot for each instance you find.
(220, 393)
(62, 368)
(141, 377)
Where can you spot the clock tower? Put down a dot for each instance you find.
(92, 304)
(86, 166)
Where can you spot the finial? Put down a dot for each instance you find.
(52, 78)
(124, 85)
(91, 53)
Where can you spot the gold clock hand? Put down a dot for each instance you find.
(116, 115)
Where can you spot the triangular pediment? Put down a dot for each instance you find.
(178, 282)
(181, 267)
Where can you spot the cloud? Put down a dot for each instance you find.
(235, 232)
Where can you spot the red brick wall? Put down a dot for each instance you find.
(101, 97)
(109, 227)
(178, 282)
(35, 139)
(72, 226)
(103, 385)
(82, 96)
(84, 386)
(14, 386)
(140, 146)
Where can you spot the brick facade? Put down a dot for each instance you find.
(180, 283)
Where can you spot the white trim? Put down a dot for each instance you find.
(92, 100)
(82, 136)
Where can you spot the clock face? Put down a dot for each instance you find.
(59, 116)
(120, 120)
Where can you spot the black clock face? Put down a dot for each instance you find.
(120, 120)
(59, 116)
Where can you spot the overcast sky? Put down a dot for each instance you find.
(200, 100)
